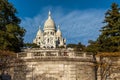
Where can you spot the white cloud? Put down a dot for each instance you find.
(77, 26)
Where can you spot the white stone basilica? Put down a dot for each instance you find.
(49, 37)
(51, 63)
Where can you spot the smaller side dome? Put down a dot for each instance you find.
(58, 33)
(39, 33)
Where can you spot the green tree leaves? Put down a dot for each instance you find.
(11, 34)
(109, 39)
(77, 47)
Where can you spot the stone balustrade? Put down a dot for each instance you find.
(54, 53)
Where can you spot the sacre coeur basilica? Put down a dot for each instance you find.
(50, 62)
(50, 37)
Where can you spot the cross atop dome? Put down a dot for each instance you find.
(49, 14)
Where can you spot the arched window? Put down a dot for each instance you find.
(51, 33)
(48, 40)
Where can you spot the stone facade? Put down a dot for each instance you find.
(56, 64)
(109, 68)
(65, 64)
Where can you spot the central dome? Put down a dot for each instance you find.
(49, 23)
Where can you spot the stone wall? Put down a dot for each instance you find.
(109, 68)
(60, 70)
(61, 64)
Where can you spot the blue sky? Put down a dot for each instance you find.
(79, 20)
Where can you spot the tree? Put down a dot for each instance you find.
(31, 45)
(11, 34)
(109, 40)
(92, 47)
(77, 47)
(71, 45)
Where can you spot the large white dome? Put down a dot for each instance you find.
(49, 23)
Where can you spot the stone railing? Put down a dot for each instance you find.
(54, 53)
